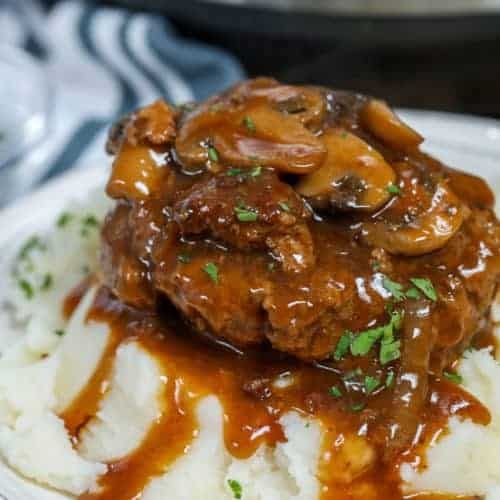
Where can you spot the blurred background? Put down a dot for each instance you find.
(82, 64)
(435, 54)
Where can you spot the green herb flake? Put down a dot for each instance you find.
(376, 265)
(33, 243)
(256, 171)
(235, 488)
(453, 377)
(412, 293)
(271, 266)
(213, 271)
(64, 219)
(244, 214)
(356, 408)
(393, 189)
(389, 346)
(394, 288)
(233, 172)
(371, 383)
(249, 124)
(27, 289)
(389, 379)
(213, 155)
(60, 333)
(47, 282)
(426, 287)
(284, 206)
(343, 135)
(335, 392)
(364, 341)
(343, 345)
(390, 351)
(90, 221)
(184, 258)
(253, 172)
(308, 424)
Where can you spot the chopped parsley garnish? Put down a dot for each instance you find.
(412, 293)
(253, 172)
(284, 206)
(389, 379)
(343, 345)
(343, 135)
(394, 288)
(90, 220)
(271, 266)
(256, 171)
(364, 341)
(244, 214)
(335, 392)
(393, 189)
(389, 347)
(389, 351)
(26, 288)
(46, 282)
(64, 219)
(426, 287)
(249, 124)
(212, 154)
(59, 333)
(33, 243)
(233, 172)
(357, 407)
(376, 265)
(453, 377)
(235, 488)
(213, 271)
(184, 258)
(371, 383)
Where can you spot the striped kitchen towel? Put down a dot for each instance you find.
(104, 62)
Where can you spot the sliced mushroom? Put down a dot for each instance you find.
(137, 173)
(263, 123)
(278, 141)
(354, 176)
(418, 234)
(304, 103)
(381, 121)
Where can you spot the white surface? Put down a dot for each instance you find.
(471, 144)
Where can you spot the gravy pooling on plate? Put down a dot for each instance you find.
(295, 230)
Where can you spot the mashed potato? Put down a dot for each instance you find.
(47, 361)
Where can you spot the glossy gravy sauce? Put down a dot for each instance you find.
(252, 404)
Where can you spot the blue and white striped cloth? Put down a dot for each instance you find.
(104, 62)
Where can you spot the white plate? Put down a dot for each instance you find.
(468, 143)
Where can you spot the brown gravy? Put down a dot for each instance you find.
(251, 411)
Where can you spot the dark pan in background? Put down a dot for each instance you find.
(438, 54)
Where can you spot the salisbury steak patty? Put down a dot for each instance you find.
(307, 219)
